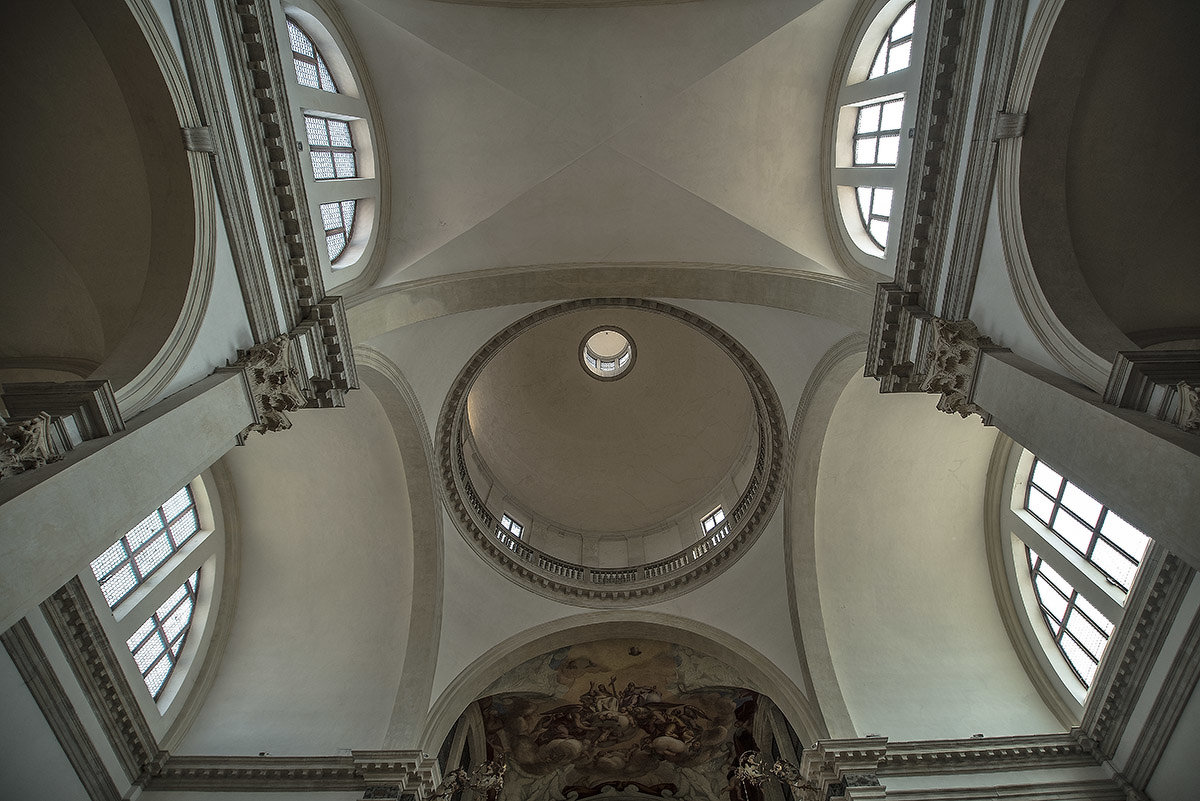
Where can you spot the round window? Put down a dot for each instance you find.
(607, 353)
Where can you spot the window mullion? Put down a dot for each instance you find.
(865, 176)
(180, 566)
(333, 190)
(1066, 562)
(884, 86)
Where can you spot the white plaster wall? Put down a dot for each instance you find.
(225, 327)
(1178, 774)
(916, 641)
(32, 763)
(317, 641)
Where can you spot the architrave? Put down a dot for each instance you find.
(838, 366)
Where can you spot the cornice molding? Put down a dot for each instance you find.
(1179, 685)
(1155, 599)
(48, 693)
(94, 663)
(381, 774)
(584, 585)
(248, 26)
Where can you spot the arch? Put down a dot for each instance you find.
(821, 394)
(1063, 314)
(425, 617)
(761, 674)
(159, 235)
(837, 299)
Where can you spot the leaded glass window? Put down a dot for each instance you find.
(132, 559)
(875, 211)
(158, 642)
(1089, 527)
(895, 51)
(331, 148)
(877, 133)
(1078, 628)
(512, 526)
(311, 69)
(338, 219)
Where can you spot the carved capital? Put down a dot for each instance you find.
(953, 363)
(274, 385)
(25, 445)
(1189, 407)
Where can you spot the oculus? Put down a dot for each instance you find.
(607, 353)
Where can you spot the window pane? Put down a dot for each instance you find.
(184, 527)
(141, 634)
(157, 677)
(889, 150)
(177, 503)
(879, 232)
(864, 151)
(1053, 602)
(322, 162)
(1087, 634)
(318, 134)
(106, 561)
(344, 165)
(1117, 565)
(1047, 479)
(149, 651)
(868, 119)
(1058, 581)
(1094, 613)
(326, 79)
(300, 41)
(144, 530)
(348, 207)
(1080, 660)
(893, 112)
(1040, 505)
(177, 621)
(339, 134)
(153, 555)
(119, 584)
(1126, 537)
(1082, 504)
(331, 216)
(1077, 534)
(903, 26)
(882, 205)
(306, 74)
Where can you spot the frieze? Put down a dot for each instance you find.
(25, 445)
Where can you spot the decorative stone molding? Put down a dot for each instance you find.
(1189, 406)
(53, 418)
(26, 445)
(199, 139)
(86, 646)
(1008, 125)
(87, 409)
(1155, 599)
(380, 774)
(273, 384)
(48, 693)
(953, 365)
(581, 584)
(1161, 383)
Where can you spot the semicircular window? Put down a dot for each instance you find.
(129, 561)
(311, 69)
(157, 643)
(870, 144)
(1097, 548)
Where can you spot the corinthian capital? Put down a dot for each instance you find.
(952, 365)
(274, 385)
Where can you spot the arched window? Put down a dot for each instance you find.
(156, 590)
(158, 642)
(311, 69)
(132, 559)
(871, 129)
(1079, 560)
(339, 226)
(329, 100)
(331, 147)
(895, 51)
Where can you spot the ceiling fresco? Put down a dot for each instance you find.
(660, 717)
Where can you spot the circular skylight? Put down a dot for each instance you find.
(607, 353)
